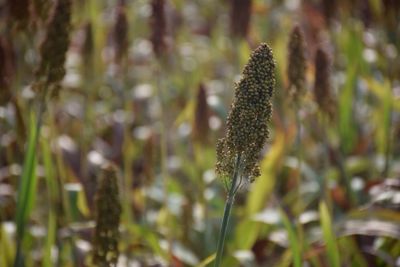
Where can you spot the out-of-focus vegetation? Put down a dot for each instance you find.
(144, 98)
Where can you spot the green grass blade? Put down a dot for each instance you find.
(6, 248)
(28, 180)
(329, 236)
(50, 240)
(293, 240)
(27, 186)
(52, 190)
(207, 261)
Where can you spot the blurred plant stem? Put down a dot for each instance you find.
(300, 230)
(343, 172)
(227, 212)
(163, 147)
(64, 216)
(340, 164)
(127, 152)
(346, 178)
(199, 159)
(386, 167)
(298, 148)
(127, 163)
(87, 118)
(325, 158)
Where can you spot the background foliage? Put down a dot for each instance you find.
(150, 92)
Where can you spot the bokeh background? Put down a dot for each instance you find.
(148, 86)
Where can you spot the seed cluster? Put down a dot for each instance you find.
(296, 64)
(108, 212)
(158, 27)
(55, 45)
(5, 71)
(322, 83)
(201, 115)
(120, 34)
(240, 17)
(40, 9)
(19, 13)
(247, 123)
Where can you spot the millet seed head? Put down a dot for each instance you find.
(296, 70)
(120, 33)
(18, 13)
(158, 27)
(201, 128)
(240, 17)
(322, 84)
(107, 216)
(54, 47)
(247, 123)
(40, 9)
(5, 71)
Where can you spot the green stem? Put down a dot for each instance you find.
(227, 213)
(163, 147)
(24, 188)
(388, 145)
(298, 147)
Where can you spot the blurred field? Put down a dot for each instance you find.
(147, 90)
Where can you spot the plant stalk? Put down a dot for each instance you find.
(28, 171)
(298, 148)
(227, 213)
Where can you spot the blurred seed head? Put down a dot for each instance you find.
(54, 47)
(18, 13)
(87, 50)
(5, 72)
(240, 17)
(158, 27)
(247, 123)
(391, 7)
(149, 159)
(296, 70)
(322, 83)
(120, 33)
(88, 44)
(143, 166)
(329, 9)
(40, 9)
(391, 14)
(201, 115)
(108, 212)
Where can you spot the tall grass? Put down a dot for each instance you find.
(319, 193)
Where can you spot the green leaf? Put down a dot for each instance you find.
(346, 120)
(52, 189)
(352, 46)
(329, 236)
(28, 179)
(6, 248)
(206, 261)
(263, 186)
(246, 234)
(293, 240)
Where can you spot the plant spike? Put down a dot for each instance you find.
(240, 17)
(108, 213)
(54, 47)
(296, 70)
(322, 83)
(247, 130)
(247, 123)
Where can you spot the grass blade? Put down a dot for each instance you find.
(52, 189)
(293, 240)
(27, 183)
(329, 236)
